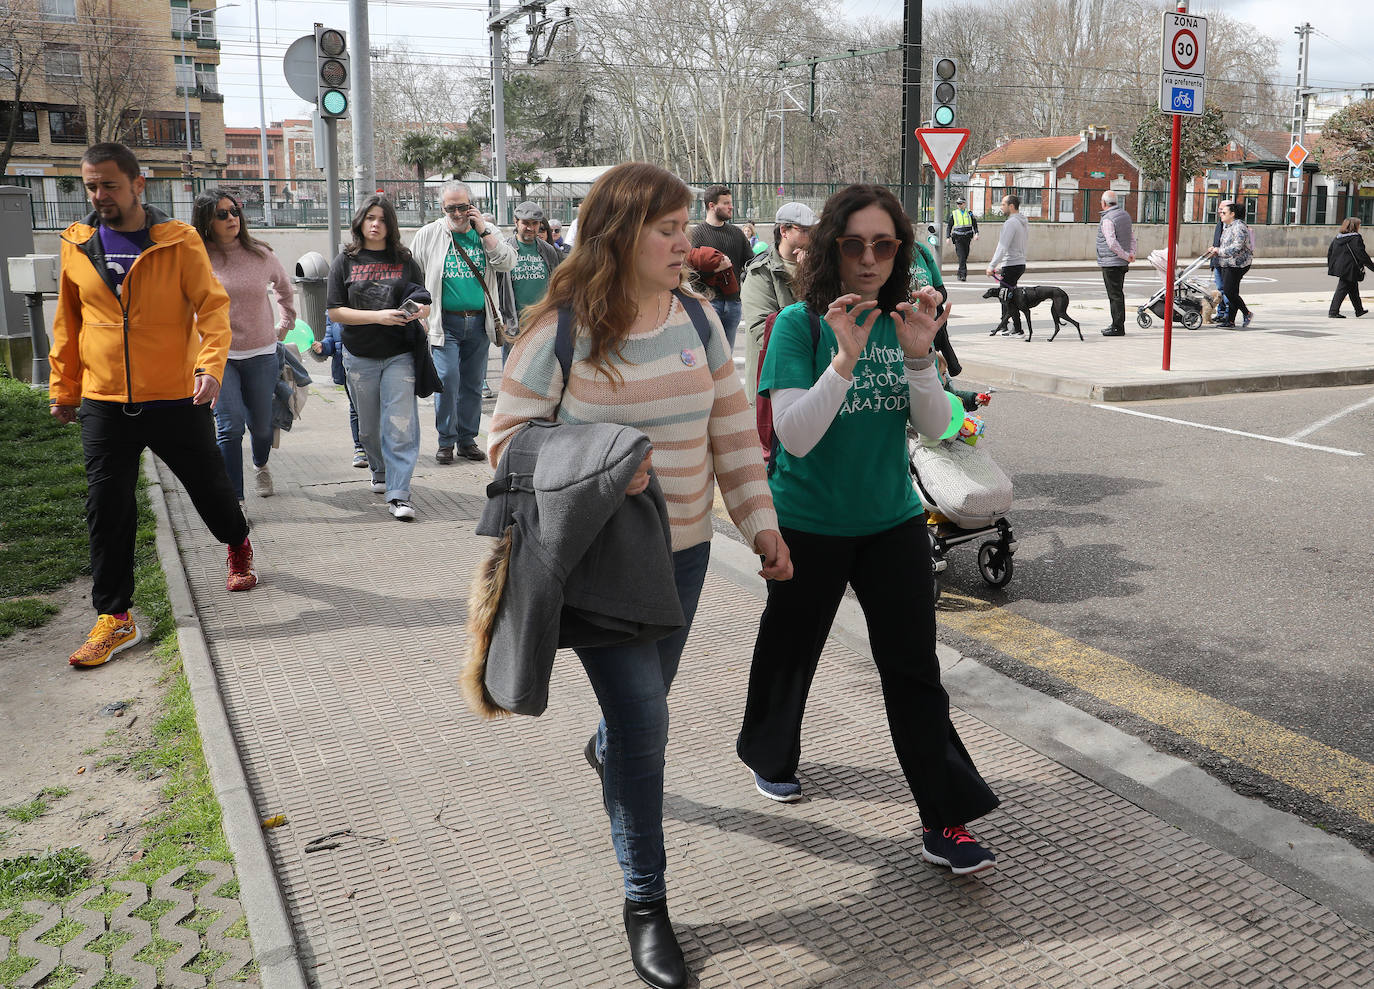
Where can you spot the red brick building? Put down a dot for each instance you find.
(1253, 171)
(1057, 178)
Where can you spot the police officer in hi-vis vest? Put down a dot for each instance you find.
(961, 229)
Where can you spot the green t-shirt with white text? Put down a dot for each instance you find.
(855, 481)
(530, 276)
(462, 291)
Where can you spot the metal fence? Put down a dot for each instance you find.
(57, 202)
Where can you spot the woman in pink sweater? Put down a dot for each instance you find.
(245, 267)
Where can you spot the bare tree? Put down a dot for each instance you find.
(22, 36)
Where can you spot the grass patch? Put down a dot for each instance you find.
(200, 921)
(52, 876)
(24, 613)
(65, 930)
(17, 923)
(13, 967)
(230, 890)
(62, 977)
(157, 952)
(43, 539)
(113, 980)
(238, 929)
(152, 910)
(26, 812)
(108, 943)
(107, 901)
(206, 962)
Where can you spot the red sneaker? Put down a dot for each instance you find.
(242, 576)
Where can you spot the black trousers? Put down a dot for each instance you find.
(1011, 274)
(1344, 287)
(890, 574)
(1230, 287)
(1114, 278)
(183, 436)
(962, 242)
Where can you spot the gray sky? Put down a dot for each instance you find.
(454, 30)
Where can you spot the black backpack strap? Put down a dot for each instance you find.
(815, 329)
(563, 343)
(698, 313)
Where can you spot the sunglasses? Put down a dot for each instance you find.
(458, 208)
(884, 248)
(224, 214)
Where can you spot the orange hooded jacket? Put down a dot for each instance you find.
(170, 323)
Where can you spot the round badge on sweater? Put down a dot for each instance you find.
(689, 358)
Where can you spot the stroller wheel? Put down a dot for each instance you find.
(1192, 320)
(995, 564)
(1142, 319)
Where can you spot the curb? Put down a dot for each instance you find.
(1282, 846)
(269, 926)
(1080, 387)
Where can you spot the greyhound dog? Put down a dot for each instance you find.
(1026, 298)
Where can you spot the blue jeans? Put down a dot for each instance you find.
(352, 418)
(631, 684)
(462, 364)
(1223, 312)
(729, 313)
(245, 400)
(383, 392)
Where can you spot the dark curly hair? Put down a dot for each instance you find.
(818, 279)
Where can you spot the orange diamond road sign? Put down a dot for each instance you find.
(1297, 154)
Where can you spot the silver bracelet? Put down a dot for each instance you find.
(919, 363)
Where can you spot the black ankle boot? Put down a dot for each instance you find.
(653, 945)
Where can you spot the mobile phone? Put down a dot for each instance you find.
(410, 307)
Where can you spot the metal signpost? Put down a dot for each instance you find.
(1182, 93)
(942, 145)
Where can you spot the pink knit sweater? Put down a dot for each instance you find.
(245, 276)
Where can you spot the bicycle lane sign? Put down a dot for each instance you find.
(1183, 63)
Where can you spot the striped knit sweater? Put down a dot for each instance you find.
(690, 404)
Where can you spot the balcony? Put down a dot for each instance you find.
(202, 42)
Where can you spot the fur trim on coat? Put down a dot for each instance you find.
(484, 600)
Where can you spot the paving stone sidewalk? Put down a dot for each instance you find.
(476, 854)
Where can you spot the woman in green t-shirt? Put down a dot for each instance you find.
(841, 403)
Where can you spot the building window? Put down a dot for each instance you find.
(165, 130)
(1032, 198)
(27, 132)
(59, 10)
(62, 65)
(186, 75)
(205, 79)
(203, 24)
(67, 126)
(181, 16)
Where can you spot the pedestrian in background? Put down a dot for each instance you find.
(1222, 313)
(1008, 262)
(139, 342)
(717, 231)
(369, 283)
(1235, 253)
(638, 359)
(851, 517)
(1116, 244)
(535, 260)
(246, 267)
(1346, 260)
(768, 287)
(961, 230)
(461, 254)
(332, 347)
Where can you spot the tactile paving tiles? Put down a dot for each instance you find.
(481, 854)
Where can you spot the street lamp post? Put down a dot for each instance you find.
(262, 127)
(186, 90)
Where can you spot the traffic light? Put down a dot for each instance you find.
(944, 92)
(331, 72)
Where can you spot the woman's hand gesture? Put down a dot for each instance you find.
(392, 317)
(917, 324)
(851, 337)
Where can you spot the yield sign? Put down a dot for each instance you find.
(942, 146)
(1297, 154)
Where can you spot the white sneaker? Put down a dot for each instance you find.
(263, 483)
(402, 510)
(379, 486)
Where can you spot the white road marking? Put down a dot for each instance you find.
(1233, 432)
(1323, 423)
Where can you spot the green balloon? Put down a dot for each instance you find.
(301, 335)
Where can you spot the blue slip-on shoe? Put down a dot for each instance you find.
(956, 848)
(787, 792)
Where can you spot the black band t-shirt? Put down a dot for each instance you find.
(373, 280)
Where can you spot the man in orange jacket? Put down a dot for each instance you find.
(139, 344)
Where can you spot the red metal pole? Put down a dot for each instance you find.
(1173, 242)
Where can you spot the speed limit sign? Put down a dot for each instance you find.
(1185, 44)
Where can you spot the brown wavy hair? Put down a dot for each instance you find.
(597, 280)
(818, 278)
(203, 213)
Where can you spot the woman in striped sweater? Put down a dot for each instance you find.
(639, 361)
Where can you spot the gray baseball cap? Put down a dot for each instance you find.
(529, 211)
(797, 214)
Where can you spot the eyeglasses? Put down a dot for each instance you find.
(457, 208)
(884, 248)
(224, 214)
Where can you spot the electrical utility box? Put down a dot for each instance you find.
(16, 240)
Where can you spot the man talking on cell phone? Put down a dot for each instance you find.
(461, 254)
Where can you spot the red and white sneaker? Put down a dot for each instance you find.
(242, 576)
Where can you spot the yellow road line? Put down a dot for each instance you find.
(1332, 776)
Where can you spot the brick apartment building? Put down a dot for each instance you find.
(1057, 178)
(74, 47)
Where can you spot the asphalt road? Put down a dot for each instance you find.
(1235, 567)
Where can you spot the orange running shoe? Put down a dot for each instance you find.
(110, 635)
(242, 576)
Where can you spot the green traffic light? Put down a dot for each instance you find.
(944, 116)
(334, 102)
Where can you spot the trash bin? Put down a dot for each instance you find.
(312, 286)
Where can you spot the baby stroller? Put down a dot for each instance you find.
(1188, 295)
(967, 496)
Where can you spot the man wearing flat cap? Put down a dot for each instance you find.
(961, 230)
(768, 287)
(535, 259)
